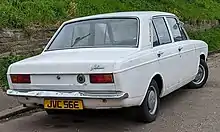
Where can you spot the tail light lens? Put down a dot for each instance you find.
(101, 78)
(20, 78)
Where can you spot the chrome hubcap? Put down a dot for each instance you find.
(200, 75)
(152, 101)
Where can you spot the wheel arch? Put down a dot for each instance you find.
(159, 79)
(202, 56)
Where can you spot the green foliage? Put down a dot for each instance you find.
(211, 37)
(22, 13)
(185, 9)
(4, 64)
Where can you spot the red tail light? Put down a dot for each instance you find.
(101, 78)
(20, 78)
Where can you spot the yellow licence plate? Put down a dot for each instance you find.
(63, 104)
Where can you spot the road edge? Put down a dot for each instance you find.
(13, 111)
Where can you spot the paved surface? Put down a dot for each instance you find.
(183, 111)
(7, 102)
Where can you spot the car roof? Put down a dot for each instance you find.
(139, 14)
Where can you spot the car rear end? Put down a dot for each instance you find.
(94, 90)
(76, 70)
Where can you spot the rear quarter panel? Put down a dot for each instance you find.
(135, 73)
(201, 48)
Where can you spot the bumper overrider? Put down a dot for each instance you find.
(91, 100)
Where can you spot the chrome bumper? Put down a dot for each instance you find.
(68, 94)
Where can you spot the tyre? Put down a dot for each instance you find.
(148, 110)
(201, 76)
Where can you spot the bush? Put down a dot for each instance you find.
(211, 37)
(4, 64)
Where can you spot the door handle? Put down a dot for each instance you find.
(159, 53)
(180, 48)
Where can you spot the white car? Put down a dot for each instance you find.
(114, 60)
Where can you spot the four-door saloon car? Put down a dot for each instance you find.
(114, 60)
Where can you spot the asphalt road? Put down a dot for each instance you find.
(185, 110)
(7, 102)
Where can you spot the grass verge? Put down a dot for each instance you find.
(23, 13)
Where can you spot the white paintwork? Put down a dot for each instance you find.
(133, 68)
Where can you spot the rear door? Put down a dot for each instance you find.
(186, 49)
(167, 53)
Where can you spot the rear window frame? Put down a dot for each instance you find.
(121, 17)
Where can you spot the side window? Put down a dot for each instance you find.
(178, 34)
(183, 33)
(162, 30)
(155, 38)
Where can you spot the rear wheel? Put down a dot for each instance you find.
(201, 76)
(148, 110)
